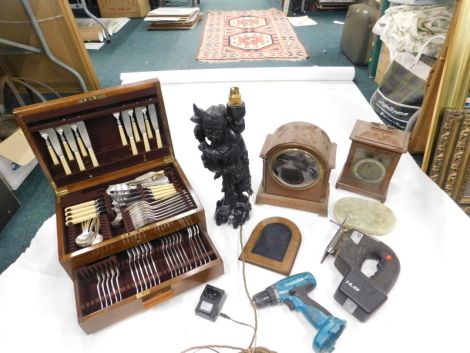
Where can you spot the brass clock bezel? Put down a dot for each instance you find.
(289, 186)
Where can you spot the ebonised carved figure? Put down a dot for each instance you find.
(219, 132)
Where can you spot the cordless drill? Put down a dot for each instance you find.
(293, 291)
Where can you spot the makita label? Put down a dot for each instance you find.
(293, 282)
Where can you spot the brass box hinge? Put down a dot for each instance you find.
(61, 192)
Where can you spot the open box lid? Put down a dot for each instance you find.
(96, 110)
(16, 148)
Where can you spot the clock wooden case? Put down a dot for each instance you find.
(129, 271)
(374, 154)
(297, 162)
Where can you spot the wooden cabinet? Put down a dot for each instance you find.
(160, 248)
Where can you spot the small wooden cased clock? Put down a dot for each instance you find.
(374, 154)
(297, 161)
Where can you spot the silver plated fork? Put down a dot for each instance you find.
(153, 261)
(145, 256)
(98, 277)
(198, 238)
(131, 257)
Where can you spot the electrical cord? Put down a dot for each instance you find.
(250, 348)
(225, 316)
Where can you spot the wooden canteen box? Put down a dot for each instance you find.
(161, 247)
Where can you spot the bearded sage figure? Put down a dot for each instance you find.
(219, 129)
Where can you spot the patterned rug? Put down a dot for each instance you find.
(249, 35)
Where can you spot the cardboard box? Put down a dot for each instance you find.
(124, 8)
(16, 159)
(384, 63)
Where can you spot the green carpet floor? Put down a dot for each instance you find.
(134, 49)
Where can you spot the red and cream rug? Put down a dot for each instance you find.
(249, 35)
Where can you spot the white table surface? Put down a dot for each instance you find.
(427, 310)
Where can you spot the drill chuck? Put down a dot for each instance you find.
(266, 298)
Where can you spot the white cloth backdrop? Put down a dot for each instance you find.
(427, 310)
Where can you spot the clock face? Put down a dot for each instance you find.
(295, 168)
(369, 167)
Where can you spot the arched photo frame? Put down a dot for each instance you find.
(273, 245)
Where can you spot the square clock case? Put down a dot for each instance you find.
(373, 156)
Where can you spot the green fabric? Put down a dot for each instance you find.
(402, 86)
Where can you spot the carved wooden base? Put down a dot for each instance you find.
(304, 205)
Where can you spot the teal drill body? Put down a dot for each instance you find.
(293, 291)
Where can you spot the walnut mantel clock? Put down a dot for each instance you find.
(373, 156)
(297, 161)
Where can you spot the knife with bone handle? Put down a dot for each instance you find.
(134, 126)
(84, 212)
(83, 218)
(58, 149)
(73, 145)
(86, 139)
(121, 130)
(85, 204)
(154, 120)
(127, 126)
(141, 124)
(135, 195)
(84, 209)
(114, 189)
(147, 123)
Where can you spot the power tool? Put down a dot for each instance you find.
(359, 294)
(293, 291)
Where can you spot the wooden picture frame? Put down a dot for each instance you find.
(450, 167)
(269, 258)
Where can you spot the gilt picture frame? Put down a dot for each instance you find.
(450, 168)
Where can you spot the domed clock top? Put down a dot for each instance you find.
(305, 136)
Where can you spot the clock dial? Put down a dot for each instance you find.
(369, 170)
(369, 167)
(295, 168)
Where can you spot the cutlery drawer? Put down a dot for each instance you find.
(144, 276)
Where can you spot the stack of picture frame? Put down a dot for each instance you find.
(450, 168)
